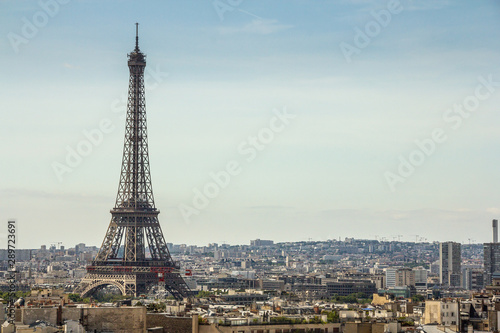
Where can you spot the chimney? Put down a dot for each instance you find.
(495, 231)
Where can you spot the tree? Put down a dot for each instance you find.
(204, 293)
(406, 321)
(156, 307)
(75, 298)
(417, 298)
(352, 298)
(332, 316)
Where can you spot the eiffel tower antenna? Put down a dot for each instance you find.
(122, 260)
(137, 37)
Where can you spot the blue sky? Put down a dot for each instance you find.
(214, 81)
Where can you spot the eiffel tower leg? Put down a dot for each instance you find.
(130, 283)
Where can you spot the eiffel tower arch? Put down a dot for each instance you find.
(123, 260)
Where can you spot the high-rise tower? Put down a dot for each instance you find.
(450, 260)
(492, 256)
(494, 224)
(134, 255)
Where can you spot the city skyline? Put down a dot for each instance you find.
(57, 245)
(345, 119)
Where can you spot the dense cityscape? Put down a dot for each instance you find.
(345, 285)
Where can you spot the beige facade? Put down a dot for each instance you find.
(445, 313)
(405, 277)
(432, 314)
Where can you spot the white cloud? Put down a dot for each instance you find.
(493, 210)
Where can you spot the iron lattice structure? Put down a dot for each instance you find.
(122, 260)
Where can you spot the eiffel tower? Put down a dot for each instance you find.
(122, 260)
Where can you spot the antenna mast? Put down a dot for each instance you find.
(136, 37)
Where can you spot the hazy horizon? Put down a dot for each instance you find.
(294, 120)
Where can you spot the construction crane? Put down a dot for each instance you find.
(54, 245)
